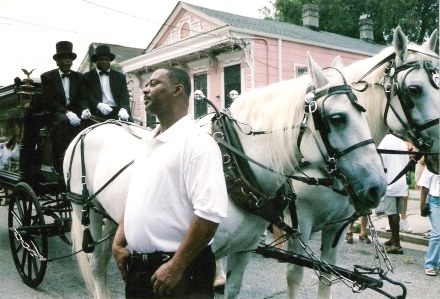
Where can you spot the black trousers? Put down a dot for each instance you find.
(196, 283)
(62, 134)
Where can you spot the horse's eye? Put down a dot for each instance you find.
(338, 119)
(415, 90)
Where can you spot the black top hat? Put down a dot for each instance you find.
(64, 49)
(103, 50)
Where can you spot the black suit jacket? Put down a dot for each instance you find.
(118, 87)
(53, 92)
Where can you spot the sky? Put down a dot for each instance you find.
(29, 29)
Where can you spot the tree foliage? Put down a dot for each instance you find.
(417, 18)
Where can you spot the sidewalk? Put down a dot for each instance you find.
(419, 225)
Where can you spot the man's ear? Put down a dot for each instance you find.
(178, 89)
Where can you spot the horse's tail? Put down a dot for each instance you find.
(83, 260)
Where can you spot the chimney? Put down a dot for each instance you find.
(366, 28)
(310, 16)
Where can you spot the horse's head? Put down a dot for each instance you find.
(345, 139)
(400, 89)
(412, 83)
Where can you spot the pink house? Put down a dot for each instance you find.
(224, 52)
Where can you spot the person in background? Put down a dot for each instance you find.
(396, 192)
(430, 206)
(418, 171)
(363, 234)
(233, 94)
(63, 93)
(107, 90)
(404, 222)
(176, 199)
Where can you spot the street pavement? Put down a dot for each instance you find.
(264, 277)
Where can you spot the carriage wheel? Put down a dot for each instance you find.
(28, 242)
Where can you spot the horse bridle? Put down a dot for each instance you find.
(320, 120)
(391, 87)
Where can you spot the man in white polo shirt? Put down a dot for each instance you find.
(176, 199)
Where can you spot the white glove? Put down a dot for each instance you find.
(73, 118)
(86, 114)
(104, 108)
(123, 114)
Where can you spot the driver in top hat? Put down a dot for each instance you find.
(63, 93)
(108, 96)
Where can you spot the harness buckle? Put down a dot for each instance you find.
(311, 107)
(218, 136)
(331, 165)
(387, 88)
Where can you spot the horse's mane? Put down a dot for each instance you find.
(277, 108)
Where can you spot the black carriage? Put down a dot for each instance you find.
(38, 209)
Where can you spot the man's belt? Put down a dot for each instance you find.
(139, 261)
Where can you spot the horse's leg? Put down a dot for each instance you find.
(220, 277)
(236, 265)
(81, 257)
(101, 255)
(329, 255)
(295, 273)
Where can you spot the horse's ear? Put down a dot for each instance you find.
(400, 42)
(431, 43)
(315, 72)
(337, 63)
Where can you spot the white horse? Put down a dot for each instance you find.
(278, 110)
(317, 206)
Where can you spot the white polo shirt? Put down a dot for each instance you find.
(176, 174)
(430, 181)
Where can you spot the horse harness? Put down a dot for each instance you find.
(241, 183)
(85, 199)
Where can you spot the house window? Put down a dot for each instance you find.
(300, 70)
(184, 31)
(232, 82)
(200, 106)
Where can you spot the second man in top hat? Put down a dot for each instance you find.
(108, 96)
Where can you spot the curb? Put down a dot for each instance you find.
(405, 237)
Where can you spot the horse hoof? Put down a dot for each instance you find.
(219, 285)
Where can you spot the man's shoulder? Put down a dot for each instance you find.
(89, 74)
(117, 74)
(49, 73)
(78, 74)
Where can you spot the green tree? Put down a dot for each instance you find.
(417, 18)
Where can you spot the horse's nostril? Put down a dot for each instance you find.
(374, 195)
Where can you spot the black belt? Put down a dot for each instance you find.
(139, 261)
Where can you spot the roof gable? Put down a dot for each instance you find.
(202, 20)
(174, 28)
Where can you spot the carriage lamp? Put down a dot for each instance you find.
(25, 91)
